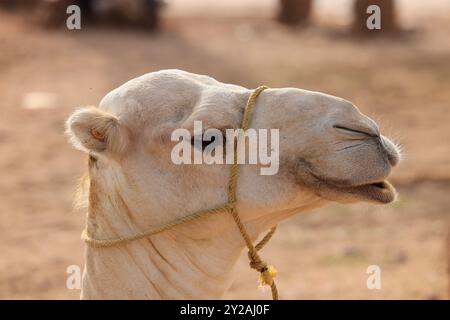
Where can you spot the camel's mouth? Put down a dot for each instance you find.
(381, 191)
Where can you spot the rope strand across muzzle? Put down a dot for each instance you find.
(266, 271)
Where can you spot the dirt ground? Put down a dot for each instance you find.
(402, 82)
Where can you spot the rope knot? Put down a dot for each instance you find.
(267, 272)
(259, 266)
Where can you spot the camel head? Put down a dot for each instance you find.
(328, 150)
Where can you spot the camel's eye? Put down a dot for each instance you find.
(199, 141)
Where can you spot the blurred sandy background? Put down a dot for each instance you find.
(402, 82)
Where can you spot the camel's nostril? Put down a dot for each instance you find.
(392, 152)
(359, 130)
(393, 159)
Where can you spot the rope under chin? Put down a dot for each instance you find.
(266, 271)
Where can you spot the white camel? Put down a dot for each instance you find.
(329, 151)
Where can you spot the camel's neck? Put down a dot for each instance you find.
(169, 265)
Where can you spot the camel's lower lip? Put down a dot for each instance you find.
(381, 191)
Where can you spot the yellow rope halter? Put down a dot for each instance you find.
(267, 272)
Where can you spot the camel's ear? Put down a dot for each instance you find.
(91, 129)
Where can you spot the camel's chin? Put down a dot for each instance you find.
(380, 192)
